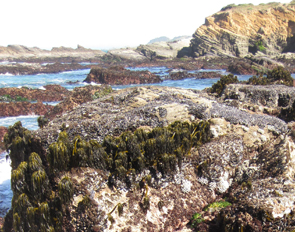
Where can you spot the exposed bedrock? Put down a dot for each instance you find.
(247, 29)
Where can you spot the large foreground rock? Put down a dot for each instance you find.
(249, 160)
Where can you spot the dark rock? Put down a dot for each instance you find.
(118, 75)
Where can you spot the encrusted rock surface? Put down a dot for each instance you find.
(275, 100)
(249, 161)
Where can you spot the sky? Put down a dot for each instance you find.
(103, 24)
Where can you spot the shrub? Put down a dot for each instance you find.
(259, 46)
(228, 7)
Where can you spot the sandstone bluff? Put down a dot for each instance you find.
(247, 29)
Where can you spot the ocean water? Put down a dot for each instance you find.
(63, 79)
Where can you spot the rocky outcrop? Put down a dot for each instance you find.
(14, 52)
(207, 75)
(246, 29)
(154, 51)
(51, 93)
(163, 50)
(36, 68)
(118, 75)
(277, 100)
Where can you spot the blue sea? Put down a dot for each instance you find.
(64, 78)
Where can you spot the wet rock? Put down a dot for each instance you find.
(118, 75)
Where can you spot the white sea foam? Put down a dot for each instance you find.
(93, 83)
(7, 74)
(5, 169)
(42, 88)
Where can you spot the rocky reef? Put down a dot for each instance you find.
(153, 159)
(23, 108)
(240, 30)
(118, 75)
(49, 93)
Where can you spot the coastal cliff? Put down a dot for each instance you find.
(247, 29)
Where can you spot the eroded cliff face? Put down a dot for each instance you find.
(245, 29)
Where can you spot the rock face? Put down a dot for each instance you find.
(247, 29)
(225, 152)
(118, 75)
